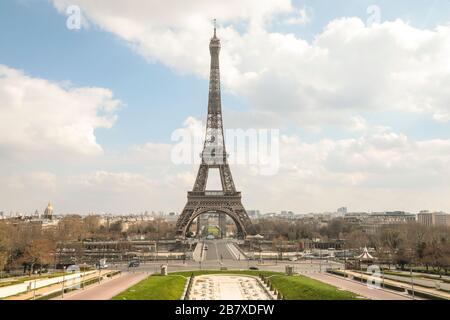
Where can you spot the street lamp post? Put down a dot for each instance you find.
(345, 260)
(64, 279)
(82, 279)
(34, 290)
(361, 270)
(260, 252)
(320, 260)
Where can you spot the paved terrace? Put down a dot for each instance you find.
(228, 287)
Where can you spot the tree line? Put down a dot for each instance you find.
(402, 244)
(30, 246)
(27, 245)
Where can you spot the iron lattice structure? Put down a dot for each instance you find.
(228, 200)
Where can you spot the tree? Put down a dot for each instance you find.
(334, 228)
(71, 228)
(91, 225)
(116, 227)
(356, 239)
(39, 252)
(437, 250)
(5, 244)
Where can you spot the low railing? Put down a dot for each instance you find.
(189, 287)
(213, 193)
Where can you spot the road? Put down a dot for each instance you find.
(221, 255)
(358, 288)
(108, 289)
(218, 250)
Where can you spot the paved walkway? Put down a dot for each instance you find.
(108, 289)
(357, 287)
(227, 287)
(431, 291)
(198, 254)
(420, 281)
(46, 290)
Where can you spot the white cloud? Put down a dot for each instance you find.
(379, 170)
(113, 181)
(348, 68)
(301, 17)
(40, 115)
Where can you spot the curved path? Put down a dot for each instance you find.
(108, 289)
(358, 288)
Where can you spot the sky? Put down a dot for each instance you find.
(92, 92)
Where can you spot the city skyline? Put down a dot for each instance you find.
(359, 95)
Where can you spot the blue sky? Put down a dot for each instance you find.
(157, 95)
(153, 93)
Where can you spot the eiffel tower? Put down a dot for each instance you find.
(214, 156)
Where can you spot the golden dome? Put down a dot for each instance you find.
(49, 210)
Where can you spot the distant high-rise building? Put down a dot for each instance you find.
(253, 213)
(442, 219)
(426, 218)
(433, 218)
(342, 211)
(374, 221)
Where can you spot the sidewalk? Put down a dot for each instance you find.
(107, 289)
(403, 285)
(54, 287)
(357, 287)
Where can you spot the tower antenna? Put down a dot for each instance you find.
(215, 26)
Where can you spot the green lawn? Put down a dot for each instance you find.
(171, 287)
(155, 287)
(215, 231)
(304, 288)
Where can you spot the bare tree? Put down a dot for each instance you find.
(437, 249)
(38, 252)
(5, 245)
(91, 225)
(356, 239)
